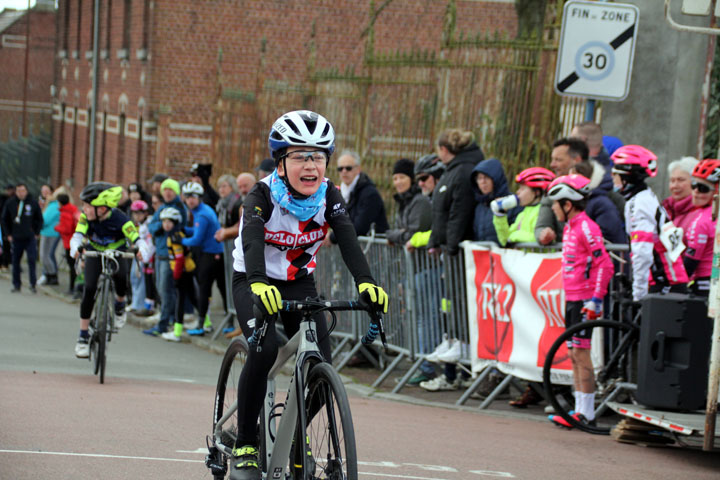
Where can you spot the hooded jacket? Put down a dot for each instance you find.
(68, 221)
(483, 228)
(414, 215)
(156, 230)
(601, 209)
(453, 203)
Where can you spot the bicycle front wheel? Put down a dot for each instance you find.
(613, 355)
(329, 438)
(226, 393)
(102, 338)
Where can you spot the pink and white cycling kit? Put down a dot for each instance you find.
(644, 217)
(699, 238)
(586, 265)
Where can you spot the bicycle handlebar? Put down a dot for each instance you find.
(110, 253)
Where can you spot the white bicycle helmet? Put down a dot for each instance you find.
(192, 188)
(170, 213)
(301, 128)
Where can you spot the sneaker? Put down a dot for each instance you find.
(170, 336)
(52, 280)
(153, 332)
(418, 379)
(549, 409)
(208, 329)
(42, 280)
(244, 464)
(15, 290)
(451, 355)
(82, 348)
(528, 397)
(463, 382)
(442, 348)
(192, 325)
(228, 329)
(120, 315)
(33, 289)
(196, 332)
(189, 318)
(561, 422)
(154, 318)
(438, 384)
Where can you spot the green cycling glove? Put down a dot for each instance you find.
(374, 295)
(267, 297)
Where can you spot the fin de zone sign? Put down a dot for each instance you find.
(597, 45)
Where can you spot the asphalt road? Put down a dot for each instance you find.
(150, 418)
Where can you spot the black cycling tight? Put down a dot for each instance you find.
(93, 268)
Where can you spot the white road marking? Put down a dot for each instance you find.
(99, 455)
(199, 450)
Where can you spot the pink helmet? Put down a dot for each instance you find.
(632, 159)
(571, 187)
(535, 177)
(138, 206)
(708, 169)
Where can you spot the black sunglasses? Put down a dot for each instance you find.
(347, 169)
(701, 187)
(422, 178)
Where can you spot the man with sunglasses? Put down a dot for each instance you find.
(655, 243)
(364, 203)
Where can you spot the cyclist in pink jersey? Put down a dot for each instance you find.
(657, 265)
(586, 273)
(699, 253)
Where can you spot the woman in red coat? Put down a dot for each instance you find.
(66, 227)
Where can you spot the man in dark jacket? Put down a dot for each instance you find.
(22, 221)
(453, 198)
(364, 203)
(200, 173)
(5, 255)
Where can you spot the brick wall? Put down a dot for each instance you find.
(175, 90)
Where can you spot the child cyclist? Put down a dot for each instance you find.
(285, 219)
(699, 254)
(586, 272)
(182, 266)
(655, 254)
(103, 227)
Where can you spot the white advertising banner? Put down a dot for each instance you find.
(516, 309)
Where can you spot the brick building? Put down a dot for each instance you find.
(34, 85)
(170, 72)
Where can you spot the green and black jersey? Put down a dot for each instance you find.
(108, 234)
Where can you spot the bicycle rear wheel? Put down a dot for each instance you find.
(226, 394)
(329, 437)
(614, 355)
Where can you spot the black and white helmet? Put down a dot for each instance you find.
(301, 128)
(430, 164)
(171, 213)
(192, 188)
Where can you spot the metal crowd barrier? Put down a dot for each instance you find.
(231, 317)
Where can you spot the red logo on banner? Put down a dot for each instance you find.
(495, 297)
(547, 290)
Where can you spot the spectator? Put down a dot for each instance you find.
(698, 257)
(414, 210)
(5, 254)
(156, 182)
(599, 207)
(164, 278)
(364, 203)
(45, 194)
(156, 201)
(533, 181)
(209, 260)
(452, 207)
(591, 134)
(611, 143)
(245, 182)
(136, 192)
(265, 168)
(22, 221)
(232, 195)
(489, 182)
(49, 240)
(141, 301)
(679, 205)
(69, 215)
(200, 173)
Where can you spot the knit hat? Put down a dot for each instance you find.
(405, 166)
(171, 184)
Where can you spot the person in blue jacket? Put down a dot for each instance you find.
(209, 256)
(170, 191)
(488, 183)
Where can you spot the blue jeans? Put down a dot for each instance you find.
(167, 293)
(137, 281)
(427, 301)
(19, 246)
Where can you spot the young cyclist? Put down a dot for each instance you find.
(285, 219)
(586, 272)
(103, 227)
(182, 266)
(699, 253)
(533, 182)
(656, 261)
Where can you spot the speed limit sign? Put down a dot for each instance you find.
(597, 45)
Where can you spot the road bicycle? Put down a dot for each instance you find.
(310, 434)
(102, 323)
(614, 355)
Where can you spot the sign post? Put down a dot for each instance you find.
(597, 46)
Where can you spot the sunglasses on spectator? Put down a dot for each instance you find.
(347, 168)
(701, 187)
(422, 178)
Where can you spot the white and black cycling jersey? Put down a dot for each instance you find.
(273, 243)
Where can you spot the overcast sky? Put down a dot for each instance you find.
(17, 4)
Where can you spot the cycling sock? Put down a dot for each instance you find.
(119, 307)
(84, 334)
(578, 405)
(207, 322)
(587, 405)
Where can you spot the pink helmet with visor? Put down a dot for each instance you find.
(634, 159)
(571, 187)
(535, 177)
(138, 206)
